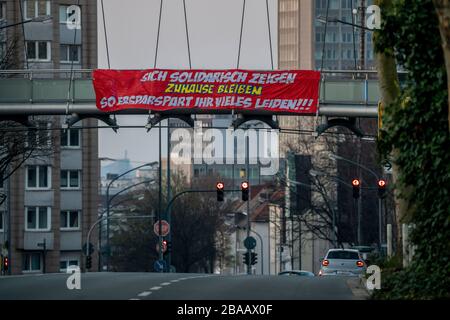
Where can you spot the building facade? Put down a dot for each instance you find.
(51, 201)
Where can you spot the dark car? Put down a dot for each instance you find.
(300, 273)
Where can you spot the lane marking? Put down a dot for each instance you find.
(134, 299)
(155, 288)
(173, 281)
(144, 294)
(165, 284)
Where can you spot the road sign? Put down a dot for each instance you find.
(159, 265)
(250, 243)
(164, 247)
(91, 248)
(387, 167)
(165, 228)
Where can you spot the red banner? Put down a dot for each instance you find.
(160, 90)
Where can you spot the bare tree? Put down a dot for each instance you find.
(197, 223)
(19, 143)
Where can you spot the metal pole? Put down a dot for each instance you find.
(262, 250)
(362, 45)
(389, 240)
(359, 174)
(380, 214)
(161, 255)
(8, 194)
(359, 219)
(168, 217)
(249, 265)
(107, 230)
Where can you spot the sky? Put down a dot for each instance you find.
(214, 29)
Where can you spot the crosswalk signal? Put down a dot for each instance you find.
(254, 258)
(244, 189)
(220, 191)
(381, 188)
(356, 188)
(88, 262)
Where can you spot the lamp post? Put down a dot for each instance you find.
(150, 164)
(37, 19)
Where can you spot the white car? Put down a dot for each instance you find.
(342, 262)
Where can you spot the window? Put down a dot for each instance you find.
(70, 220)
(352, 255)
(70, 138)
(38, 177)
(70, 179)
(64, 264)
(38, 50)
(70, 53)
(31, 262)
(2, 10)
(2, 221)
(38, 218)
(36, 8)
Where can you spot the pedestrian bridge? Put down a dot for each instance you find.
(344, 97)
(32, 92)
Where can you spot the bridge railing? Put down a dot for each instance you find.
(347, 87)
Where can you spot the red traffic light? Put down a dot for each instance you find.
(356, 183)
(220, 185)
(244, 185)
(381, 183)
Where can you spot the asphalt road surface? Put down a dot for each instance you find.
(177, 286)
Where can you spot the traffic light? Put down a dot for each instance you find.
(5, 263)
(247, 258)
(244, 189)
(254, 258)
(169, 246)
(381, 188)
(88, 262)
(356, 188)
(220, 188)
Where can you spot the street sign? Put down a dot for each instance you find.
(387, 167)
(164, 247)
(165, 228)
(91, 248)
(159, 265)
(250, 243)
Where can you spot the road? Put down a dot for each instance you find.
(177, 286)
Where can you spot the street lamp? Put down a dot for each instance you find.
(150, 164)
(324, 20)
(37, 19)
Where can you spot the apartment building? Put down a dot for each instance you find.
(52, 200)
